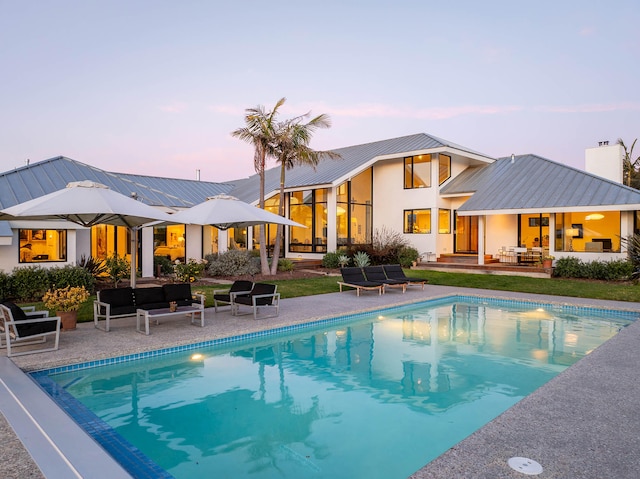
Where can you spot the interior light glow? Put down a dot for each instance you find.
(594, 216)
(197, 357)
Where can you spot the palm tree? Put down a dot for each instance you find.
(630, 166)
(260, 131)
(292, 148)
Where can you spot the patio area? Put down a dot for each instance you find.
(556, 425)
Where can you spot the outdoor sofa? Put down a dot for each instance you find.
(120, 302)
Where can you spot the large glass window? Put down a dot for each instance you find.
(417, 221)
(534, 231)
(417, 171)
(169, 241)
(590, 232)
(444, 221)
(444, 170)
(209, 240)
(237, 238)
(272, 206)
(309, 208)
(355, 210)
(37, 246)
(107, 240)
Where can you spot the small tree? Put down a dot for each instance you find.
(630, 165)
(117, 268)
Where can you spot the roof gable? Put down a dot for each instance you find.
(352, 161)
(530, 182)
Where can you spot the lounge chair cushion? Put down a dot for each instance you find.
(179, 292)
(150, 298)
(239, 285)
(258, 289)
(25, 330)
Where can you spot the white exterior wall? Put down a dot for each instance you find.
(390, 199)
(605, 161)
(501, 230)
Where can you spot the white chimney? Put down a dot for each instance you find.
(605, 160)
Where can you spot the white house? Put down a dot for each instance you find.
(447, 199)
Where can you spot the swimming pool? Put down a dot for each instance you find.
(371, 396)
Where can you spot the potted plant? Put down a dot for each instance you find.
(65, 302)
(547, 261)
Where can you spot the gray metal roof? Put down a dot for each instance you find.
(533, 183)
(353, 159)
(41, 178)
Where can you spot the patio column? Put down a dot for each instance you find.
(481, 222)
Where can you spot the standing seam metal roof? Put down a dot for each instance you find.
(38, 179)
(533, 182)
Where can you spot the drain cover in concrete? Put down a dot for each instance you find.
(525, 466)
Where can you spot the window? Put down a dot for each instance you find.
(355, 210)
(37, 246)
(417, 221)
(444, 168)
(417, 171)
(272, 205)
(169, 241)
(309, 208)
(590, 232)
(444, 221)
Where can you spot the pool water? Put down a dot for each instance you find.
(376, 396)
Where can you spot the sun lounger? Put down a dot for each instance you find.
(376, 274)
(395, 271)
(353, 277)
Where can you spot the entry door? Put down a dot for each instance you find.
(466, 234)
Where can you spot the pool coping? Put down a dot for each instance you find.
(304, 308)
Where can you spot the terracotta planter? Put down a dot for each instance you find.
(547, 263)
(68, 319)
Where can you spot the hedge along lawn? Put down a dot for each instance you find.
(291, 288)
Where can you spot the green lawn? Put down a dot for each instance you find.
(560, 287)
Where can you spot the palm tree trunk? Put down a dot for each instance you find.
(279, 228)
(264, 260)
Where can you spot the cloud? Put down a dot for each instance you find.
(378, 110)
(587, 31)
(590, 108)
(175, 107)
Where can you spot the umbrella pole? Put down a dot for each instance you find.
(134, 252)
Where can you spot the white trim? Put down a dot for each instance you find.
(561, 209)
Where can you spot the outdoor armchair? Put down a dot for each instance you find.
(23, 327)
(353, 277)
(223, 297)
(262, 295)
(395, 271)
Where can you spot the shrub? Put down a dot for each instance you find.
(234, 263)
(572, 267)
(69, 275)
(5, 285)
(285, 265)
(632, 244)
(344, 260)
(406, 256)
(29, 283)
(331, 259)
(94, 266)
(117, 268)
(569, 267)
(189, 271)
(166, 266)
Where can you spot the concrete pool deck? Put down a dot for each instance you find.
(585, 423)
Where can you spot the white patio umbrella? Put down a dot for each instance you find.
(224, 211)
(88, 203)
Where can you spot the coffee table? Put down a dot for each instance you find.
(166, 312)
